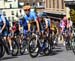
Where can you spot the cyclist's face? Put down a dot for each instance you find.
(27, 11)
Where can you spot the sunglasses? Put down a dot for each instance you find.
(27, 10)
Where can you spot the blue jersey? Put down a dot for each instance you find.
(49, 22)
(2, 20)
(30, 17)
(27, 18)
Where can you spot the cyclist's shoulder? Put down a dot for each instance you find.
(32, 13)
(1, 16)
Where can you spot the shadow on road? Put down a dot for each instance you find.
(54, 52)
(24, 54)
(7, 58)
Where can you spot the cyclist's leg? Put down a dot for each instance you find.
(10, 42)
(70, 34)
(63, 35)
(7, 38)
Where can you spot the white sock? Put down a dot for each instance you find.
(10, 47)
(26, 50)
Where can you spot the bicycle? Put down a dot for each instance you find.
(39, 44)
(67, 40)
(4, 45)
(73, 42)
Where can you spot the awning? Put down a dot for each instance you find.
(55, 16)
(70, 2)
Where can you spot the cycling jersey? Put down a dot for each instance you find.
(48, 21)
(69, 23)
(30, 17)
(42, 25)
(15, 28)
(26, 19)
(53, 27)
(2, 21)
(23, 23)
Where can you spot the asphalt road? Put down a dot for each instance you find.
(60, 54)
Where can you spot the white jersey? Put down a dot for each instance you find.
(69, 24)
(47, 20)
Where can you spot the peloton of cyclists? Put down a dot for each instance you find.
(66, 24)
(30, 20)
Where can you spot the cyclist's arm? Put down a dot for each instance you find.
(19, 26)
(4, 22)
(29, 26)
(37, 23)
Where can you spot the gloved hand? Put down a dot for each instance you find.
(0, 31)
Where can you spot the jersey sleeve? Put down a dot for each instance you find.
(3, 19)
(34, 16)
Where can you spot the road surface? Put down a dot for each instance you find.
(60, 54)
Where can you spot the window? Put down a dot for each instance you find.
(9, 0)
(4, 13)
(12, 12)
(43, 0)
(33, 4)
(49, 3)
(9, 18)
(10, 5)
(40, 3)
(12, 18)
(16, 14)
(57, 3)
(62, 3)
(20, 4)
(46, 4)
(5, 0)
(20, 11)
(53, 3)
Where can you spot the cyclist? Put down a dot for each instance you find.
(69, 26)
(65, 30)
(53, 27)
(15, 28)
(4, 30)
(29, 20)
(48, 22)
(43, 23)
(64, 24)
(30, 17)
